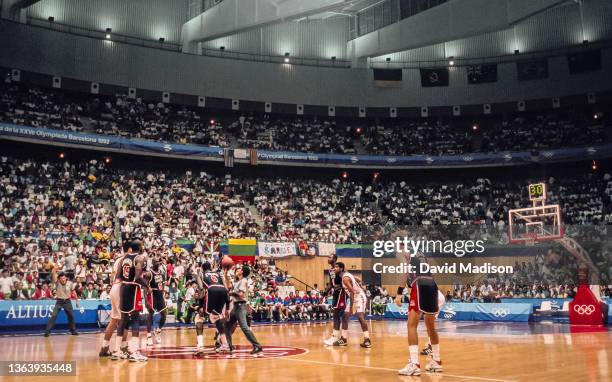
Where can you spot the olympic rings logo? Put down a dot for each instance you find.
(501, 312)
(449, 311)
(584, 309)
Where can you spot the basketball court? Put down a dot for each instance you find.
(470, 351)
(285, 166)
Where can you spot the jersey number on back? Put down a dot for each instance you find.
(126, 271)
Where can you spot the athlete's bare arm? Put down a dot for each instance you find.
(199, 279)
(117, 273)
(53, 274)
(346, 281)
(400, 291)
(398, 296)
(328, 289)
(226, 280)
(138, 277)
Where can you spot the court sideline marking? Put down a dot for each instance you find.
(395, 370)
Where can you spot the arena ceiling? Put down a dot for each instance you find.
(361, 32)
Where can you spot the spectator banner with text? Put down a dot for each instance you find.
(276, 249)
(191, 151)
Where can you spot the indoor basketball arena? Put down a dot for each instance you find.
(305, 190)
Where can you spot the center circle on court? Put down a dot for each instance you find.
(240, 352)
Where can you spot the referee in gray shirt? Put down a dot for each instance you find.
(63, 289)
(239, 293)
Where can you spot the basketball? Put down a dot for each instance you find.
(227, 262)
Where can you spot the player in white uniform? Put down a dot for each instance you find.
(115, 313)
(356, 306)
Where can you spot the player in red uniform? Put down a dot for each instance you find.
(214, 302)
(334, 286)
(423, 300)
(133, 266)
(441, 301)
(156, 302)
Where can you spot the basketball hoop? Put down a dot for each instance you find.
(539, 222)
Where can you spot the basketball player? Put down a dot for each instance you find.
(215, 303)
(115, 296)
(239, 293)
(156, 303)
(334, 286)
(356, 306)
(423, 299)
(133, 266)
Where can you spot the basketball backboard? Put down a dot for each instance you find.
(537, 223)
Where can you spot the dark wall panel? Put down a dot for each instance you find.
(76, 85)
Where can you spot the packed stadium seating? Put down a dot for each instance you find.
(74, 214)
(135, 118)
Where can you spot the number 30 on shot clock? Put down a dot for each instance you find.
(537, 192)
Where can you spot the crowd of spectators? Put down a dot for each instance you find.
(120, 115)
(134, 118)
(299, 134)
(430, 137)
(39, 107)
(309, 210)
(488, 292)
(75, 213)
(548, 274)
(511, 133)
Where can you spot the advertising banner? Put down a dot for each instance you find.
(38, 312)
(486, 312)
(471, 312)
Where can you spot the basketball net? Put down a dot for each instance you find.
(530, 239)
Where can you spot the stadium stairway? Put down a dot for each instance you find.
(253, 210)
(113, 210)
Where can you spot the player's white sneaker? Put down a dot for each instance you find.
(221, 349)
(117, 355)
(434, 366)
(199, 350)
(149, 341)
(330, 341)
(122, 353)
(137, 357)
(158, 336)
(410, 369)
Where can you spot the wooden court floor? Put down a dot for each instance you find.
(470, 352)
